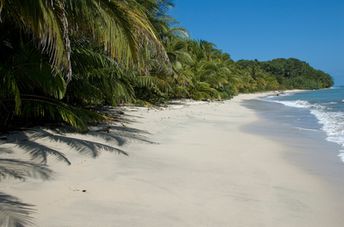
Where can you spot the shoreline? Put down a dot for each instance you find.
(204, 169)
(310, 149)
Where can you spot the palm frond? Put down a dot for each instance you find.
(121, 26)
(9, 87)
(41, 19)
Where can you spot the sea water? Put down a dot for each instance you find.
(327, 106)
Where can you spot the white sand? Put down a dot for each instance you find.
(205, 171)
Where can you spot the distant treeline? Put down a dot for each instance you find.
(61, 60)
(288, 73)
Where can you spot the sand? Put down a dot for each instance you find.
(202, 170)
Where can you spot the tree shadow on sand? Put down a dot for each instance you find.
(32, 143)
(14, 212)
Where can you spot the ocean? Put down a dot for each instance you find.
(313, 111)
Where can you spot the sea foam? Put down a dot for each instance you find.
(331, 122)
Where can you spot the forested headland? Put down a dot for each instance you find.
(62, 60)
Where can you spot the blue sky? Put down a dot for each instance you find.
(311, 30)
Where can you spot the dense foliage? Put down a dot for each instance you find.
(63, 59)
(289, 73)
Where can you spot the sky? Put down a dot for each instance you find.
(310, 30)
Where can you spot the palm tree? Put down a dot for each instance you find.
(47, 49)
(56, 35)
(121, 27)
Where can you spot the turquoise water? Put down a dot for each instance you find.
(327, 106)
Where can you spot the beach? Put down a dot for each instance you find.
(207, 165)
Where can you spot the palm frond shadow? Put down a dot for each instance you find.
(37, 151)
(12, 168)
(90, 147)
(108, 136)
(13, 212)
(123, 132)
(4, 150)
(29, 142)
(16, 213)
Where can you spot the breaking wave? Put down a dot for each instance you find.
(331, 122)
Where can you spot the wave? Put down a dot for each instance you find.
(336, 87)
(332, 122)
(307, 129)
(297, 104)
(341, 155)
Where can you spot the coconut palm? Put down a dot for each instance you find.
(55, 39)
(121, 27)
